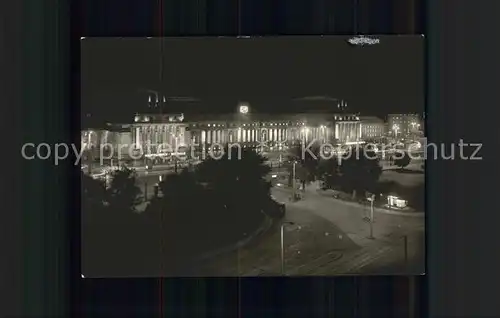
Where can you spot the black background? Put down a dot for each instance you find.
(376, 80)
(42, 105)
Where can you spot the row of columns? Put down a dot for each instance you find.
(243, 135)
(166, 134)
(344, 132)
(348, 131)
(94, 139)
(265, 134)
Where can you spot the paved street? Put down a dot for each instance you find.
(388, 230)
(312, 240)
(332, 239)
(349, 216)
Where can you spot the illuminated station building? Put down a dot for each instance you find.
(248, 129)
(245, 128)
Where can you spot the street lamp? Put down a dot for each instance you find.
(322, 132)
(282, 245)
(371, 199)
(395, 128)
(294, 193)
(413, 125)
(305, 132)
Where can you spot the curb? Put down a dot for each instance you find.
(382, 210)
(376, 209)
(264, 227)
(408, 214)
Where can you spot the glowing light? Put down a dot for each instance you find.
(396, 202)
(244, 109)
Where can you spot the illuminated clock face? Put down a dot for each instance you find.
(244, 109)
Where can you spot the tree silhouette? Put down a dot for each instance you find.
(359, 171)
(402, 159)
(214, 206)
(176, 222)
(329, 171)
(124, 194)
(241, 176)
(238, 184)
(94, 196)
(307, 166)
(209, 208)
(111, 232)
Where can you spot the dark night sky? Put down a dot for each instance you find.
(266, 72)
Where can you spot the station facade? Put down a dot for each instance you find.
(182, 133)
(248, 131)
